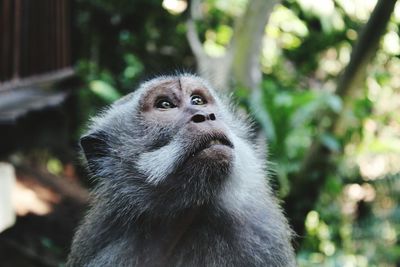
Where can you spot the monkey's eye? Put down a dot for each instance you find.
(197, 100)
(164, 104)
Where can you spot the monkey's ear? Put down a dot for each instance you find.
(94, 147)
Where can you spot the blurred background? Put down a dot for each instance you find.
(321, 80)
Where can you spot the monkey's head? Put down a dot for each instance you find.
(169, 146)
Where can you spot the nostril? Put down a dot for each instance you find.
(212, 116)
(198, 118)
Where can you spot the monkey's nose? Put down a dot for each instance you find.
(200, 117)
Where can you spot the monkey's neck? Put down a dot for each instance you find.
(178, 220)
(171, 233)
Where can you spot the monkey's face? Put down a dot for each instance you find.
(171, 137)
(187, 144)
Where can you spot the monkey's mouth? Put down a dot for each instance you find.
(213, 141)
(223, 142)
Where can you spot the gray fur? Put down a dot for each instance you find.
(150, 208)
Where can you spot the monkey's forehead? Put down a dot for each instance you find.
(183, 80)
(164, 82)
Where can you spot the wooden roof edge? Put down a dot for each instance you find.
(45, 78)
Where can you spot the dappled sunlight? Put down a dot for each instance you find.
(353, 193)
(285, 28)
(396, 13)
(38, 201)
(358, 9)
(333, 60)
(391, 43)
(320, 8)
(373, 167)
(330, 63)
(175, 7)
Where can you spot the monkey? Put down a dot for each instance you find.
(179, 183)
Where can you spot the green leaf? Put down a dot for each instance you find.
(331, 142)
(104, 90)
(334, 102)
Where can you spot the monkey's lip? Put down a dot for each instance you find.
(213, 141)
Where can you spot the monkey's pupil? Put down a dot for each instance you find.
(164, 104)
(197, 100)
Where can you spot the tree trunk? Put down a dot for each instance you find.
(240, 64)
(247, 43)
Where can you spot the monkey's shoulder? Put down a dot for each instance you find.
(204, 240)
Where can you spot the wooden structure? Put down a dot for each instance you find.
(35, 53)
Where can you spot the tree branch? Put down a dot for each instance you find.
(247, 42)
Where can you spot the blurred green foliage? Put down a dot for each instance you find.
(356, 219)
